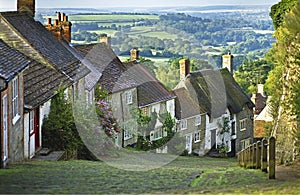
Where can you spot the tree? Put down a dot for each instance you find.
(283, 84)
(59, 130)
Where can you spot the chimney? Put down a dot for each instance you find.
(260, 89)
(103, 38)
(134, 54)
(49, 21)
(26, 5)
(227, 62)
(61, 27)
(184, 68)
(58, 16)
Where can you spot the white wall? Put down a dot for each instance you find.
(26, 136)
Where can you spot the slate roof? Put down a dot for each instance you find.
(216, 90)
(185, 106)
(118, 76)
(105, 61)
(11, 61)
(149, 89)
(41, 83)
(45, 44)
(94, 74)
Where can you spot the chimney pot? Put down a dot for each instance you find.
(56, 22)
(49, 21)
(58, 16)
(63, 17)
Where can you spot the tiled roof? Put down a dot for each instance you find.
(44, 43)
(105, 61)
(11, 61)
(185, 106)
(41, 83)
(216, 90)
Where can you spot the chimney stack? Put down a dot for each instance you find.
(184, 68)
(134, 54)
(260, 89)
(26, 5)
(61, 27)
(227, 62)
(103, 38)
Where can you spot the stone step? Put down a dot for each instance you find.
(44, 152)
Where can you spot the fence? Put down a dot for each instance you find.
(260, 155)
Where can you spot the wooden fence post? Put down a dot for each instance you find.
(271, 158)
(264, 155)
(254, 155)
(258, 155)
(251, 157)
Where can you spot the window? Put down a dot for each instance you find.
(15, 99)
(183, 124)
(127, 134)
(243, 124)
(31, 122)
(197, 120)
(197, 137)
(245, 143)
(128, 96)
(155, 135)
(233, 128)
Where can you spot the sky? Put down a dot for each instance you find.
(12, 4)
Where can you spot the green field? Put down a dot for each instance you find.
(108, 18)
(188, 175)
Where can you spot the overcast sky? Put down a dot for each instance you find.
(11, 4)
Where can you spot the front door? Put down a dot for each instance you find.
(5, 128)
(188, 144)
(213, 138)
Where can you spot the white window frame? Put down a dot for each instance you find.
(198, 120)
(157, 134)
(5, 127)
(31, 122)
(245, 143)
(197, 137)
(15, 100)
(128, 97)
(243, 124)
(127, 134)
(183, 124)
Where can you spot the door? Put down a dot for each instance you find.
(188, 144)
(5, 128)
(37, 127)
(31, 134)
(213, 138)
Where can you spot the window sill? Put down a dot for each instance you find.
(15, 119)
(197, 141)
